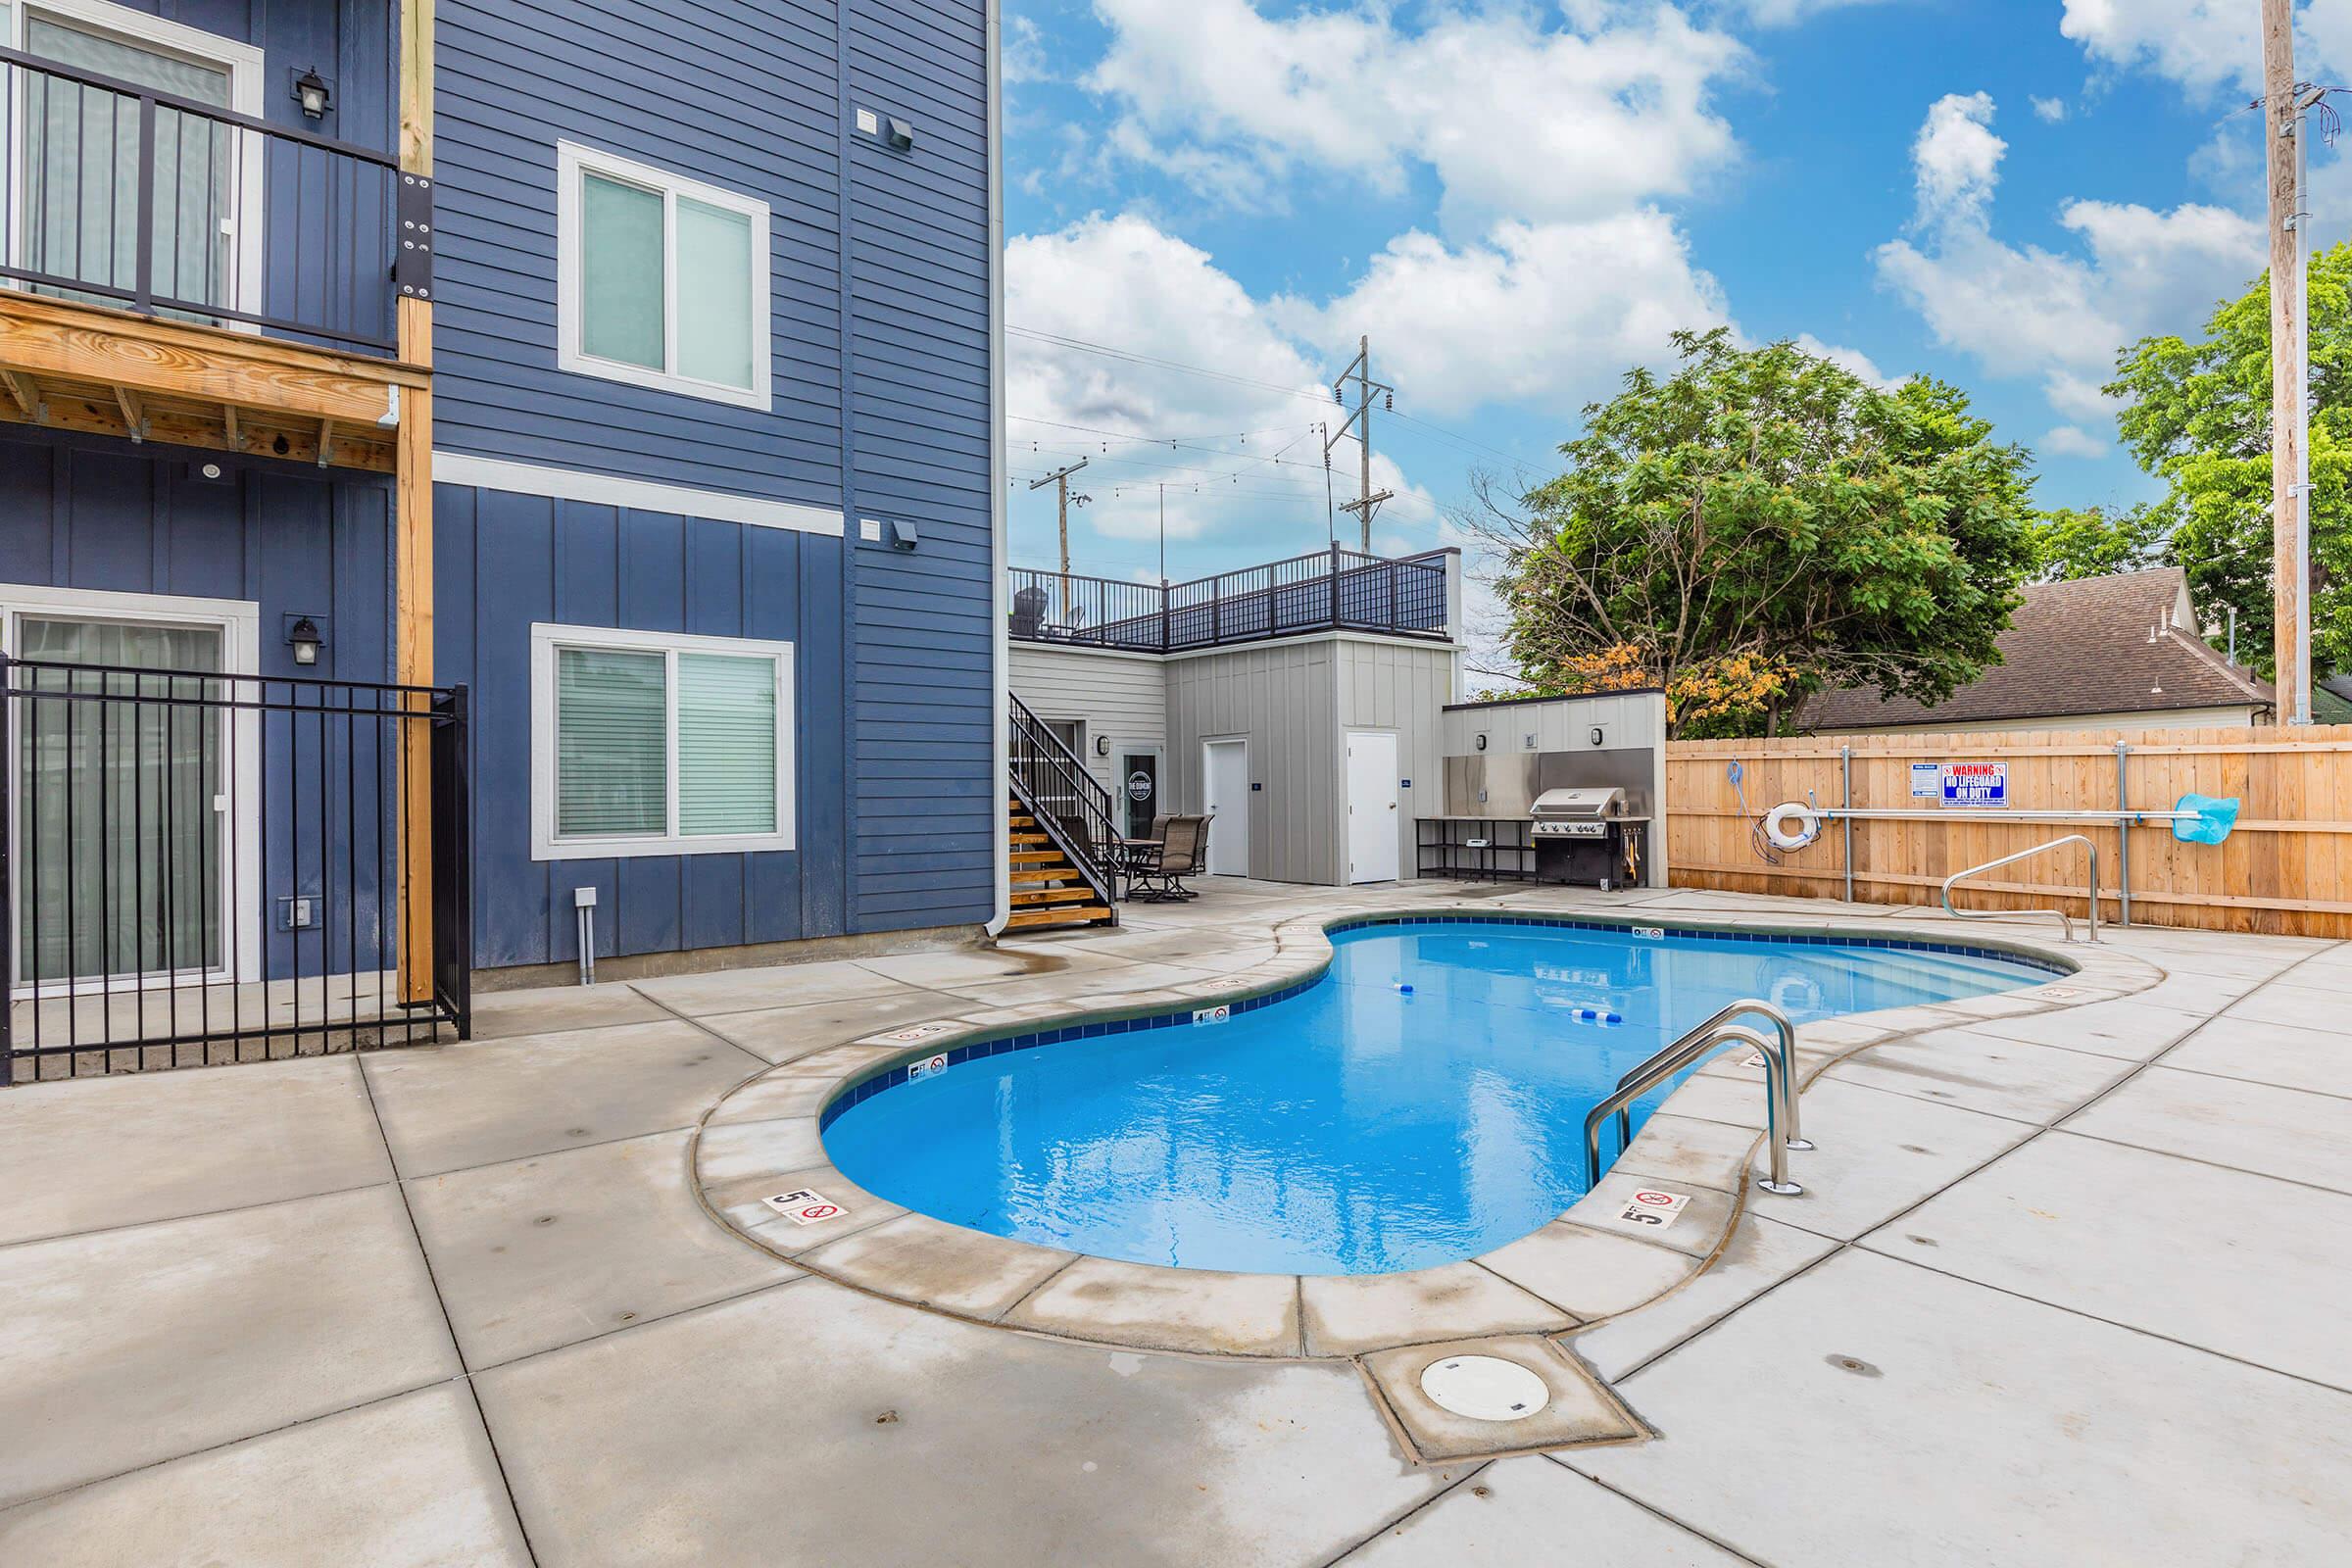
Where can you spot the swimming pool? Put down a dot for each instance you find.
(1420, 1104)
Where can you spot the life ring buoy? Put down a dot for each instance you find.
(1791, 825)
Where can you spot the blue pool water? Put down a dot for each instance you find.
(1356, 1127)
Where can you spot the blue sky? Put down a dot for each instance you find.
(1516, 202)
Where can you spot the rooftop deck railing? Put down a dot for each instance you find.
(155, 202)
(1334, 590)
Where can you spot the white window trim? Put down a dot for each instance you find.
(240, 623)
(244, 64)
(545, 639)
(572, 161)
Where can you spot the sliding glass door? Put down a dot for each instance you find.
(118, 853)
(75, 166)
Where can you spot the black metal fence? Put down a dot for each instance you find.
(1334, 590)
(160, 202)
(202, 868)
(1069, 803)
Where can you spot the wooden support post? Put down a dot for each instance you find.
(412, 537)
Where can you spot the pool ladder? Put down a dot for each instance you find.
(1778, 1056)
(2065, 920)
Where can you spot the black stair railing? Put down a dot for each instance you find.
(1070, 805)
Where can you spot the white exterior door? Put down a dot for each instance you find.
(1372, 810)
(1225, 784)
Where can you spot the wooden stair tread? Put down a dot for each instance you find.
(1052, 895)
(1063, 914)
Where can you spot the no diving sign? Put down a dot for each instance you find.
(805, 1207)
(1651, 1210)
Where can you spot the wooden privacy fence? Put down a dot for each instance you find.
(2286, 871)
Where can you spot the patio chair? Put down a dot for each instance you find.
(1182, 852)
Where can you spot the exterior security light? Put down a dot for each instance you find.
(302, 636)
(1102, 746)
(312, 91)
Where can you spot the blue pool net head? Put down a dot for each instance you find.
(2211, 822)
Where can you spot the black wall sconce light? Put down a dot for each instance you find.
(314, 93)
(305, 638)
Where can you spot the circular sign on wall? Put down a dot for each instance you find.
(1139, 786)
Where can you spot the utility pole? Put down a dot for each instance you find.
(1164, 533)
(1359, 370)
(2287, 104)
(1059, 479)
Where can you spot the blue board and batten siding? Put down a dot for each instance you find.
(875, 255)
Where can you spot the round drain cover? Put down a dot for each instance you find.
(1484, 1388)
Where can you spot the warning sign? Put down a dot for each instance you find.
(805, 1207)
(1651, 1209)
(1927, 780)
(926, 1067)
(1976, 785)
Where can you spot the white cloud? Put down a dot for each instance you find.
(2204, 46)
(1956, 159)
(1514, 115)
(2049, 110)
(1549, 312)
(1854, 359)
(1123, 281)
(2061, 317)
(2070, 441)
(1787, 12)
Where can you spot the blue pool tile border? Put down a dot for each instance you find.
(974, 1049)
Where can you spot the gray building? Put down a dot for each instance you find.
(1296, 703)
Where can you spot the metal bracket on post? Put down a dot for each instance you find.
(413, 214)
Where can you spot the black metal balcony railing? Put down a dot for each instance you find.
(126, 195)
(1334, 590)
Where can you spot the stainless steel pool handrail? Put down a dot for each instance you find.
(2066, 922)
(1693, 1043)
(1777, 1093)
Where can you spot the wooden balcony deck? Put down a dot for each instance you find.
(70, 365)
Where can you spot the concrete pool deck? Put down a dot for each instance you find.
(2065, 1286)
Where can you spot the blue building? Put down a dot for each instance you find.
(631, 368)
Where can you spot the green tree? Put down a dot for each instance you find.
(2199, 418)
(2091, 542)
(1761, 523)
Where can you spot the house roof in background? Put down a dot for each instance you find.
(2079, 647)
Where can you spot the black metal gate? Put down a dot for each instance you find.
(198, 866)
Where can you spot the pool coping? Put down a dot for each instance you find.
(1583, 1268)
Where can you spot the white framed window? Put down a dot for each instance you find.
(659, 743)
(660, 280)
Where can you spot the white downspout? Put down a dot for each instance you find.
(1000, 551)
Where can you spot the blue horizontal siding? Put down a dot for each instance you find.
(739, 94)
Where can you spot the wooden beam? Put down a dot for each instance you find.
(228, 423)
(327, 441)
(134, 419)
(94, 412)
(28, 396)
(413, 532)
(70, 341)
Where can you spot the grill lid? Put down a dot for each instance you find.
(1588, 804)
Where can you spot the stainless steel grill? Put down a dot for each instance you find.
(1581, 813)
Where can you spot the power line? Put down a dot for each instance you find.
(1130, 355)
